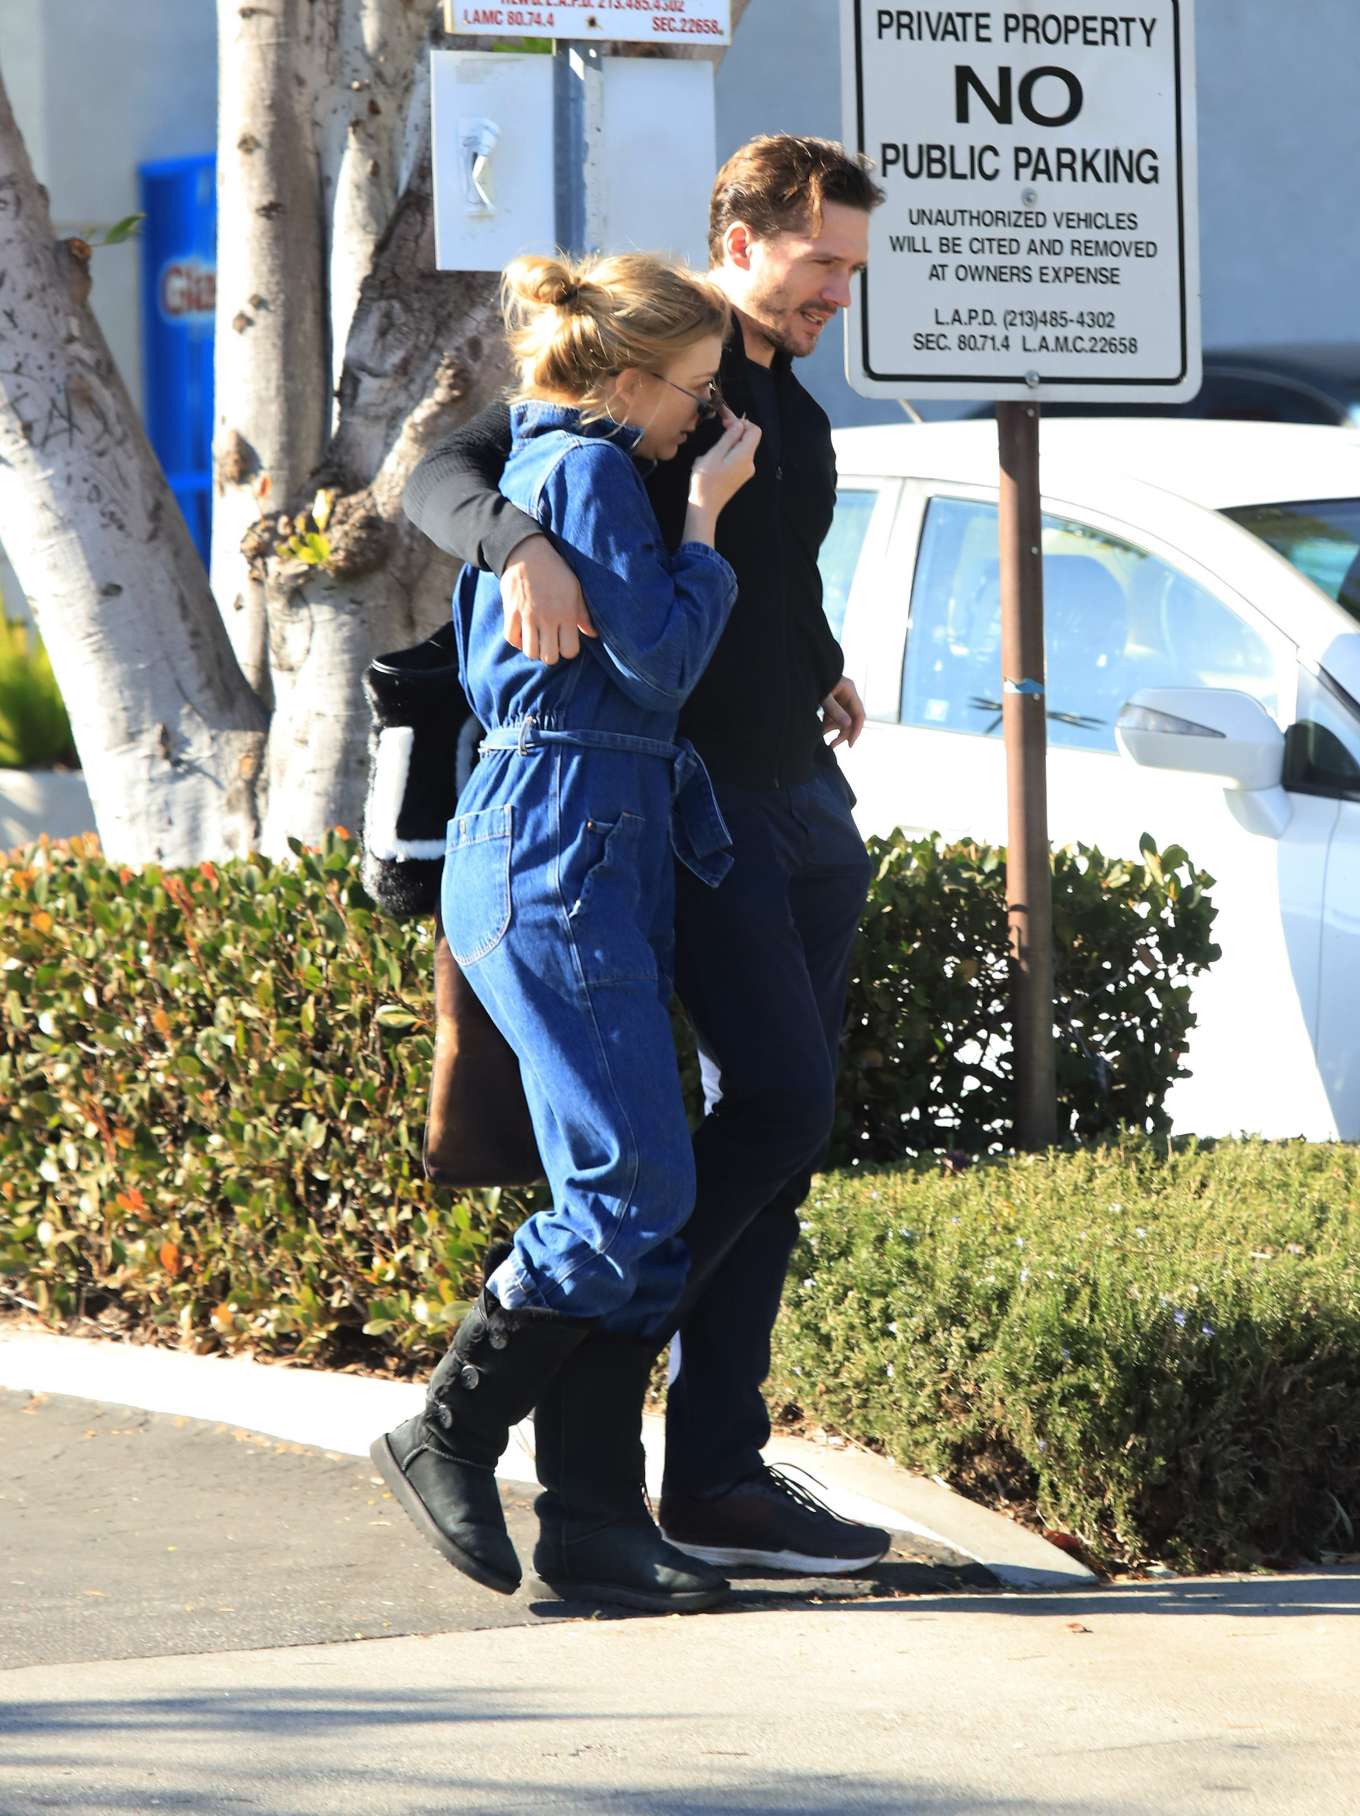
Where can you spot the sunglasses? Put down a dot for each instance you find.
(709, 405)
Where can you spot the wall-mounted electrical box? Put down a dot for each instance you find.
(650, 176)
(493, 158)
(574, 150)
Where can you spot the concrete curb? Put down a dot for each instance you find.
(342, 1413)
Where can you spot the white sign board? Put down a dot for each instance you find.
(1040, 235)
(671, 22)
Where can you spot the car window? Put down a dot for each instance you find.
(1321, 539)
(1116, 619)
(1236, 397)
(1322, 749)
(841, 550)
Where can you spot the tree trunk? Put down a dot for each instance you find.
(271, 359)
(169, 734)
(364, 120)
(424, 350)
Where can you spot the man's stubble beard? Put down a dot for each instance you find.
(779, 338)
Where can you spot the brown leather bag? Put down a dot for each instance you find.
(478, 1131)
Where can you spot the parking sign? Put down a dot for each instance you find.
(1039, 238)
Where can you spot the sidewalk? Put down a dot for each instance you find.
(1198, 1698)
(344, 1412)
(131, 1534)
(169, 1577)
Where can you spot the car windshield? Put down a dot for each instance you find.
(1320, 538)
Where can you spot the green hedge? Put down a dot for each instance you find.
(212, 1086)
(35, 732)
(1159, 1351)
(213, 1083)
(926, 1063)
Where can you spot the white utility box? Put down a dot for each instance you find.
(493, 158)
(638, 137)
(650, 168)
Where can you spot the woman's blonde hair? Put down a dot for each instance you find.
(573, 327)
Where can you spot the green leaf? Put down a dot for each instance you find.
(122, 230)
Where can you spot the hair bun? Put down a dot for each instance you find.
(541, 283)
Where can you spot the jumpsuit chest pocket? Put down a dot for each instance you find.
(604, 893)
(477, 882)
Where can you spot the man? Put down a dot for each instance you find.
(761, 962)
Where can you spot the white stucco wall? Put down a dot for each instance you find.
(1279, 146)
(97, 89)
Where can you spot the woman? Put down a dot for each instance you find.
(558, 905)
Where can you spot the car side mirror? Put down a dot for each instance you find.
(1206, 731)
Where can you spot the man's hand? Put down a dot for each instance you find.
(843, 713)
(545, 610)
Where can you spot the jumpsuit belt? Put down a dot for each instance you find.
(699, 835)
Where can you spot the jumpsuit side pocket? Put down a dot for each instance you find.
(476, 895)
(605, 918)
(609, 850)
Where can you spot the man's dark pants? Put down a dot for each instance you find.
(762, 964)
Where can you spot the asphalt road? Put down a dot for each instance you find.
(130, 1534)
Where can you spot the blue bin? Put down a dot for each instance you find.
(179, 281)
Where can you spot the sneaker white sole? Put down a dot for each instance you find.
(799, 1561)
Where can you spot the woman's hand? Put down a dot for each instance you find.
(716, 477)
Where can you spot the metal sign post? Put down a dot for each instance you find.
(1029, 878)
(1038, 240)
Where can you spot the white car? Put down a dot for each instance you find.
(1207, 572)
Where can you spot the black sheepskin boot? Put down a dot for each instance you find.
(597, 1539)
(441, 1464)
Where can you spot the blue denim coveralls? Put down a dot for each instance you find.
(558, 888)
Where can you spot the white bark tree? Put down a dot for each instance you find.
(171, 738)
(213, 718)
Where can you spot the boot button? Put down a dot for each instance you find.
(469, 1376)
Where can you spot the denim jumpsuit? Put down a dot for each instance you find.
(558, 887)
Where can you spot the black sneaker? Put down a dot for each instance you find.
(770, 1523)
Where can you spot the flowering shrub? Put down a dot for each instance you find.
(212, 1092)
(1156, 1349)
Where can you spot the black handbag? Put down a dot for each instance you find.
(422, 745)
(420, 721)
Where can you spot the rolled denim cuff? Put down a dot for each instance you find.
(511, 1290)
(705, 552)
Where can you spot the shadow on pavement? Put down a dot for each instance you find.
(1329, 1591)
(77, 1770)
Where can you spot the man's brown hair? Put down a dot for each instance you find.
(779, 183)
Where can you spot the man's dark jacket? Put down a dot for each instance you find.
(753, 716)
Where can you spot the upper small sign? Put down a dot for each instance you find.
(674, 22)
(1040, 236)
